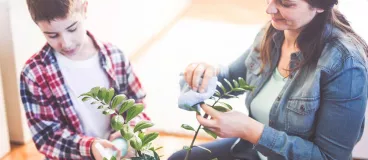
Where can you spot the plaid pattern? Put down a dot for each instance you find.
(53, 121)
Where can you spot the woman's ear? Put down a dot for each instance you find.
(320, 10)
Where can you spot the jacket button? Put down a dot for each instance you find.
(278, 98)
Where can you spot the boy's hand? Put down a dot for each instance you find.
(114, 136)
(131, 152)
(105, 144)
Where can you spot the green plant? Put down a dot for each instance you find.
(239, 86)
(119, 105)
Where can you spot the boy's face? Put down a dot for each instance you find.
(66, 35)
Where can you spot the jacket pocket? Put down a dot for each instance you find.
(301, 115)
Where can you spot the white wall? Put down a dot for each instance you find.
(10, 70)
(4, 135)
(127, 23)
(130, 23)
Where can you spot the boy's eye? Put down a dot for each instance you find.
(72, 30)
(54, 36)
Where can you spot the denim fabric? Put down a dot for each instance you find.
(319, 114)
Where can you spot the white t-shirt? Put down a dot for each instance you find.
(80, 77)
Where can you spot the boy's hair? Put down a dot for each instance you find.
(48, 10)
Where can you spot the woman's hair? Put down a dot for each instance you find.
(315, 35)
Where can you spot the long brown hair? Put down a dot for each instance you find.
(313, 38)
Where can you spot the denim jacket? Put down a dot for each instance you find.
(319, 114)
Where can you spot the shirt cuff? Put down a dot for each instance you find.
(85, 145)
(267, 141)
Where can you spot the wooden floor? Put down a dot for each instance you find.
(232, 11)
(170, 143)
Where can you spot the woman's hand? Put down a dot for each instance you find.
(231, 124)
(195, 71)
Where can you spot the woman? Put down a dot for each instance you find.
(310, 72)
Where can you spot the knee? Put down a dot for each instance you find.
(179, 155)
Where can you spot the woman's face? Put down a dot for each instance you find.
(291, 14)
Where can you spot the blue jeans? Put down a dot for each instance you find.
(220, 149)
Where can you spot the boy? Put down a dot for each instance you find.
(71, 63)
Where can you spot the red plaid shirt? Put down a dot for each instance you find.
(53, 121)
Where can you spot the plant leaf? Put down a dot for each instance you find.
(249, 88)
(228, 83)
(94, 91)
(142, 125)
(86, 99)
(105, 158)
(227, 105)
(134, 111)
(220, 108)
(191, 108)
(158, 148)
(117, 122)
(203, 148)
(109, 94)
(113, 158)
(102, 93)
(126, 105)
(103, 107)
(236, 84)
(241, 82)
(117, 100)
(141, 135)
(136, 143)
(86, 95)
(209, 132)
(229, 95)
(149, 137)
(222, 87)
(127, 132)
(239, 90)
(217, 93)
(95, 102)
(187, 127)
(108, 111)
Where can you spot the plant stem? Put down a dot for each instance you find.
(139, 153)
(196, 133)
